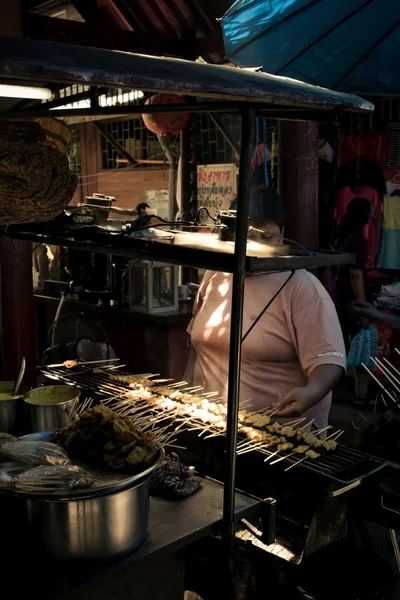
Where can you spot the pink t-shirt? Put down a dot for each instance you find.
(298, 332)
(371, 230)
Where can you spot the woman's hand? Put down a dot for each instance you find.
(296, 402)
(365, 310)
(320, 382)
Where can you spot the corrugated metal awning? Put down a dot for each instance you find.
(26, 60)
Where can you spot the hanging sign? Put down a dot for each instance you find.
(158, 200)
(216, 186)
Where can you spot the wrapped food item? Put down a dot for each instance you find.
(9, 474)
(6, 438)
(47, 479)
(33, 454)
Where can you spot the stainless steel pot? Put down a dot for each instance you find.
(49, 407)
(11, 411)
(101, 527)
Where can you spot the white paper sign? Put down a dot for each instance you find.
(216, 186)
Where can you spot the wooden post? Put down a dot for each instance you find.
(17, 307)
(187, 186)
(298, 180)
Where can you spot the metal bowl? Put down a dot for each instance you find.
(45, 415)
(108, 520)
(11, 411)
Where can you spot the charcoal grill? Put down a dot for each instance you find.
(345, 466)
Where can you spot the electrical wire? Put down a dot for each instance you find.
(284, 284)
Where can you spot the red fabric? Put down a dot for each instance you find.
(344, 197)
(384, 336)
(373, 145)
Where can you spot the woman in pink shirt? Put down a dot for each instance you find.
(294, 355)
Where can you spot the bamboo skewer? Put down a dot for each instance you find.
(296, 463)
(379, 383)
(395, 383)
(87, 362)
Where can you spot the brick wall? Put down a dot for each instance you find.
(129, 186)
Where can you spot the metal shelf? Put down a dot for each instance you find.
(166, 252)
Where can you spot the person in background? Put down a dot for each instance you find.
(365, 310)
(349, 282)
(294, 355)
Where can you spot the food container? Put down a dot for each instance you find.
(105, 521)
(11, 408)
(98, 527)
(50, 407)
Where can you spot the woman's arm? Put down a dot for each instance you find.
(368, 311)
(357, 283)
(321, 381)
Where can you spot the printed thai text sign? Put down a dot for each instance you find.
(216, 186)
(158, 200)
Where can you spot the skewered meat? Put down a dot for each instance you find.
(262, 421)
(329, 445)
(301, 449)
(312, 454)
(101, 437)
(285, 446)
(71, 364)
(288, 431)
(274, 427)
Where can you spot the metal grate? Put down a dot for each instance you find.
(344, 465)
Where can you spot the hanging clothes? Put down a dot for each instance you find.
(389, 256)
(392, 178)
(372, 145)
(325, 151)
(372, 229)
(361, 172)
(393, 136)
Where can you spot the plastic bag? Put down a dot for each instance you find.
(363, 348)
(33, 454)
(9, 474)
(44, 479)
(6, 438)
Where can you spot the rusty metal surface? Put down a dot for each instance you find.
(27, 60)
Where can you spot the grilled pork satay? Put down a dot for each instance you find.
(274, 441)
(288, 431)
(262, 421)
(284, 446)
(301, 449)
(274, 427)
(329, 445)
(312, 454)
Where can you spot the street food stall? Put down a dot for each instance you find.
(123, 422)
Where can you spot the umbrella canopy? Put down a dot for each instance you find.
(347, 45)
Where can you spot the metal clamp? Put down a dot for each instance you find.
(396, 512)
(266, 530)
(345, 489)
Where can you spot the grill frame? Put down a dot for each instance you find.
(345, 465)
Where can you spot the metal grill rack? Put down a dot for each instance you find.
(344, 465)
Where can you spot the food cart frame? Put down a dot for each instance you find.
(215, 89)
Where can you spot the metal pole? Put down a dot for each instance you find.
(238, 280)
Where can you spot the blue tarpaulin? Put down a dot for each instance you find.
(346, 45)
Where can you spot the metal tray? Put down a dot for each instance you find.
(107, 481)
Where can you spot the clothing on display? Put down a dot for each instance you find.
(389, 255)
(325, 151)
(372, 229)
(361, 172)
(372, 145)
(393, 136)
(392, 178)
